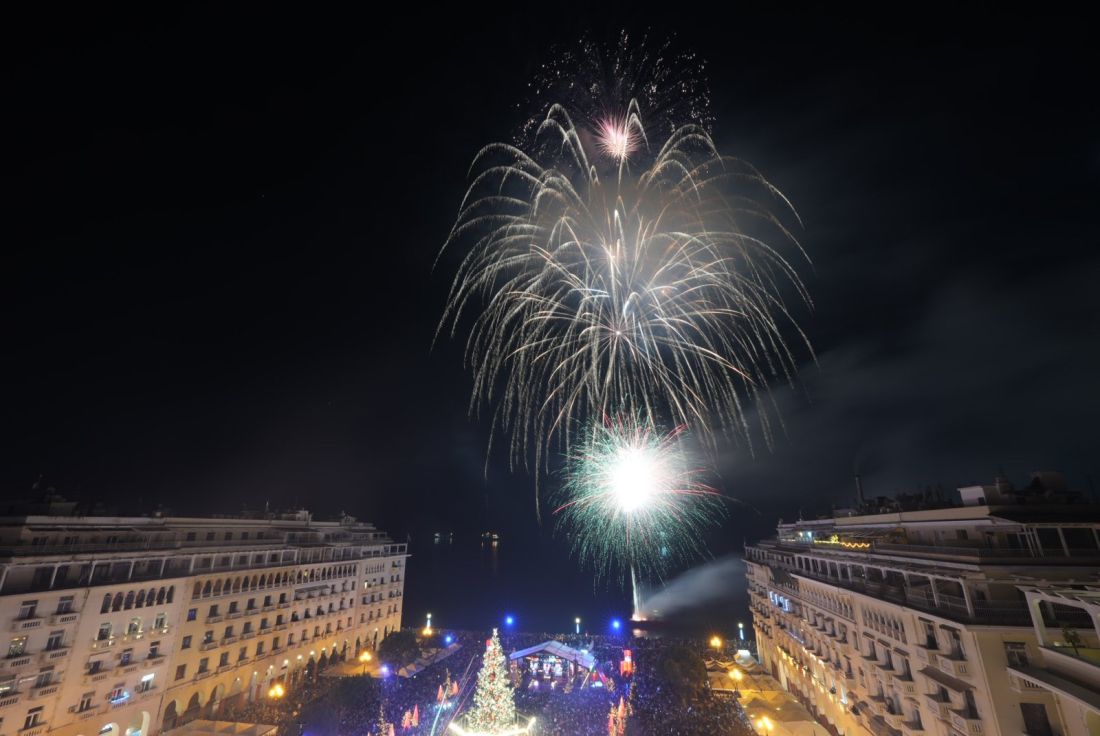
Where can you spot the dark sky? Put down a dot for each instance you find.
(219, 231)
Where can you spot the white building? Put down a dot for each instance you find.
(131, 625)
(895, 621)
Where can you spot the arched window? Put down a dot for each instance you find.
(106, 604)
(207, 588)
(171, 591)
(217, 587)
(140, 599)
(117, 604)
(160, 594)
(129, 600)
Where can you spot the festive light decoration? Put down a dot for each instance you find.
(494, 711)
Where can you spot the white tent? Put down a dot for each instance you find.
(577, 656)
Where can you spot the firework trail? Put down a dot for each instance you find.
(633, 502)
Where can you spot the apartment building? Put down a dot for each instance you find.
(133, 625)
(921, 617)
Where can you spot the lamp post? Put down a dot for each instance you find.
(716, 642)
(741, 630)
(364, 658)
(737, 676)
(577, 621)
(765, 724)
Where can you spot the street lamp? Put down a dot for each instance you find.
(577, 621)
(741, 630)
(364, 658)
(765, 724)
(716, 642)
(277, 691)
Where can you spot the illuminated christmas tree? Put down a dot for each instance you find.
(494, 709)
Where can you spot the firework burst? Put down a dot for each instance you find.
(653, 288)
(634, 500)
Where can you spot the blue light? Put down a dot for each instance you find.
(508, 620)
(385, 670)
(448, 639)
(616, 624)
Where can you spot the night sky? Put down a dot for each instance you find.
(219, 233)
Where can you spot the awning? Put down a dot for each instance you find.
(952, 683)
(557, 649)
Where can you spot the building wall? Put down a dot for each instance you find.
(125, 629)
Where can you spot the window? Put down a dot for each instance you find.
(117, 693)
(55, 640)
(190, 536)
(267, 601)
(134, 628)
(1016, 653)
(27, 609)
(44, 678)
(125, 658)
(247, 627)
(228, 536)
(210, 536)
(18, 646)
(204, 664)
(7, 684)
(160, 622)
(263, 623)
(154, 649)
(192, 614)
(242, 654)
(146, 683)
(186, 643)
(244, 535)
(233, 607)
(95, 666)
(208, 637)
(85, 702)
(259, 648)
(228, 632)
(275, 644)
(65, 604)
(34, 717)
(181, 672)
(224, 659)
(104, 632)
(213, 611)
(1036, 721)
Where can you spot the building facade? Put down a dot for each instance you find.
(129, 626)
(923, 621)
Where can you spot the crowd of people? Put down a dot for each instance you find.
(651, 702)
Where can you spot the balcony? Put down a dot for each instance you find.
(52, 655)
(905, 684)
(940, 708)
(966, 722)
(203, 674)
(36, 730)
(97, 676)
(18, 661)
(952, 664)
(224, 668)
(229, 640)
(247, 635)
(41, 692)
(68, 617)
(101, 644)
(234, 614)
(25, 624)
(206, 646)
(216, 618)
(9, 699)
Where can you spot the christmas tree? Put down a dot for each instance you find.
(494, 709)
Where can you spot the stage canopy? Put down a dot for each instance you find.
(557, 649)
